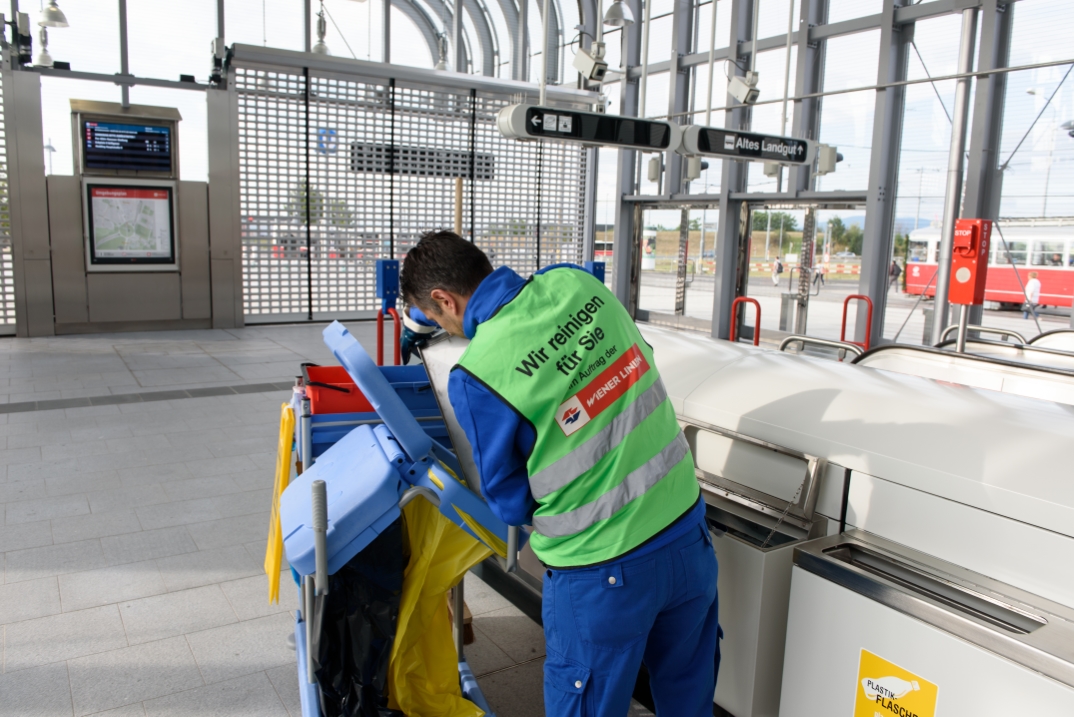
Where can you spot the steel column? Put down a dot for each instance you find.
(955, 163)
(520, 69)
(809, 76)
(983, 178)
(386, 32)
(589, 222)
(124, 54)
(220, 19)
(682, 33)
(729, 234)
(225, 223)
(624, 239)
(459, 62)
(309, 25)
(883, 171)
(28, 204)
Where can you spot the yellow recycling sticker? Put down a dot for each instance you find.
(886, 690)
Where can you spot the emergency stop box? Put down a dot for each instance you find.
(969, 261)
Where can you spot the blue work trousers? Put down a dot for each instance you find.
(602, 622)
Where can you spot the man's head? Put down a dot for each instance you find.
(1032, 275)
(440, 274)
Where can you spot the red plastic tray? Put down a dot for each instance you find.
(337, 392)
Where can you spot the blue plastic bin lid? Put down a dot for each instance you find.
(378, 391)
(363, 500)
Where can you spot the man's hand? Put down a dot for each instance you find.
(417, 330)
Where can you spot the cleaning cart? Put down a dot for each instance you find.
(361, 468)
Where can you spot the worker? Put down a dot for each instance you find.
(573, 433)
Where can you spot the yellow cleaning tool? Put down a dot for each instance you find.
(274, 550)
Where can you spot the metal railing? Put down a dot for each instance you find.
(813, 341)
(982, 330)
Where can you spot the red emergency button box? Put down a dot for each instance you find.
(969, 261)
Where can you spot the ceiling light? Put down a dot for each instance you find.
(322, 28)
(618, 15)
(52, 16)
(43, 58)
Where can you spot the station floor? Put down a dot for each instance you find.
(135, 484)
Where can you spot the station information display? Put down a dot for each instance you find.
(126, 147)
(130, 224)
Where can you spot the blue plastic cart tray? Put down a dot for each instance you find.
(363, 499)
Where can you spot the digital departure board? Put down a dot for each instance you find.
(126, 147)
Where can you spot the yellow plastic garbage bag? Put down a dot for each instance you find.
(274, 549)
(423, 674)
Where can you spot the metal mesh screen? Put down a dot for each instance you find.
(359, 170)
(272, 171)
(7, 267)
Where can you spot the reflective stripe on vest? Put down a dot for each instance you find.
(566, 469)
(633, 486)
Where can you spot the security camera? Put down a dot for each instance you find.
(827, 158)
(744, 89)
(591, 64)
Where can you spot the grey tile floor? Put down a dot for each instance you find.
(133, 535)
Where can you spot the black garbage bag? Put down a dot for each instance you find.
(359, 616)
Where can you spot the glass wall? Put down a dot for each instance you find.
(923, 156)
(183, 49)
(846, 120)
(271, 23)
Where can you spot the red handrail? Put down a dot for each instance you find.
(380, 336)
(734, 318)
(398, 335)
(868, 321)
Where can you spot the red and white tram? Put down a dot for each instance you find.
(1046, 250)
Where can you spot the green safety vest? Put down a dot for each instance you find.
(610, 467)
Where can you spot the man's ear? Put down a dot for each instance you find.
(444, 300)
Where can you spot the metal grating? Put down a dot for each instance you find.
(380, 161)
(7, 265)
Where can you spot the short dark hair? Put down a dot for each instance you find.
(442, 260)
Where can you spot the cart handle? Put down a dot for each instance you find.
(319, 384)
(868, 321)
(419, 490)
(734, 317)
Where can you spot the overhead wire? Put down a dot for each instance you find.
(931, 81)
(1036, 119)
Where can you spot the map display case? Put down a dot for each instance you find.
(130, 224)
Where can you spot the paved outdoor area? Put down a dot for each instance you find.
(133, 534)
(904, 316)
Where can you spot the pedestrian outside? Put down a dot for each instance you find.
(1032, 296)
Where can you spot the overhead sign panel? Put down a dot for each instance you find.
(713, 142)
(528, 122)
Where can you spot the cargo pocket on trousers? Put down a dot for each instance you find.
(566, 687)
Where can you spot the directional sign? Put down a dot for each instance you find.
(713, 142)
(530, 122)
